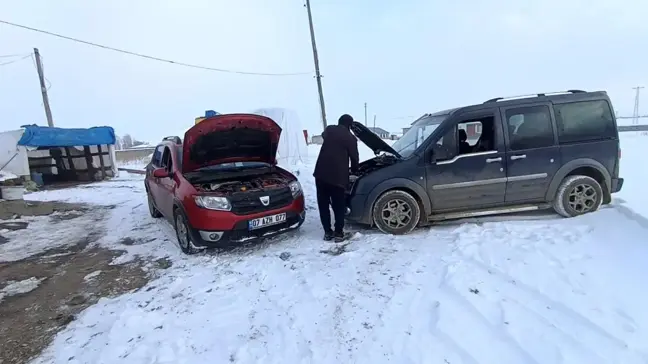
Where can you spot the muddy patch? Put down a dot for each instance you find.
(13, 225)
(16, 209)
(72, 279)
(138, 241)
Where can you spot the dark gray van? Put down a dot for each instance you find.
(556, 150)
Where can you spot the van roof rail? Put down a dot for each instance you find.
(175, 139)
(534, 95)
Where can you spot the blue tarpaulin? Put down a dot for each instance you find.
(40, 136)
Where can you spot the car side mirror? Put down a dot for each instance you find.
(160, 173)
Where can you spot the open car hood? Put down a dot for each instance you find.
(372, 140)
(230, 138)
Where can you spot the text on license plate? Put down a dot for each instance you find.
(266, 221)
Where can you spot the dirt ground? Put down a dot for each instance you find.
(28, 322)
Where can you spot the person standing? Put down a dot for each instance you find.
(332, 175)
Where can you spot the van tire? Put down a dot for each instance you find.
(578, 195)
(396, 212)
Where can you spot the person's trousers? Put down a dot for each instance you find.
(334, 196)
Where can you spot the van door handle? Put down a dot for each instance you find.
(492, 160)
(514, 157)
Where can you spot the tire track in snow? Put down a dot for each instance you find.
(503, 337)
(567, 314)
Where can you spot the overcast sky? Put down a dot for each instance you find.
(403, 58)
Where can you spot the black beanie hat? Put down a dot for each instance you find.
(345, 120)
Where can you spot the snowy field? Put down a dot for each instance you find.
(516, 289)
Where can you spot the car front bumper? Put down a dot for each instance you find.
(617, 184)
(241, 234)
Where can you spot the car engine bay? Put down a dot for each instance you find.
(243, 184)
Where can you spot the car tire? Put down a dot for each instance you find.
(396, 212)
(578, 195)
(155, 213)
(182, 233)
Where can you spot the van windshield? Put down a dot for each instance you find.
(417, 134)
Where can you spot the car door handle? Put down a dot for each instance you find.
(521, 156)
(492, 160)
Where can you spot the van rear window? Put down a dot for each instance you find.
(584, 121)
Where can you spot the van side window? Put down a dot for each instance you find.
(584, 121)
(529, 127)
(157, 156)
(468, 136)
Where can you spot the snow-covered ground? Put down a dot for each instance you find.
(515, 289)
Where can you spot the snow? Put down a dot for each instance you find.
(531, 288)
(20, 287)
(4, 175)
(92, 275)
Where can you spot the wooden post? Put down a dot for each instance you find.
(101, 163)
(71, 168)
(88, 158)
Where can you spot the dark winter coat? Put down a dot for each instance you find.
(339, 147)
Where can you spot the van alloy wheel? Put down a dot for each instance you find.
(396, 212)
(583, 198)
(578, 195)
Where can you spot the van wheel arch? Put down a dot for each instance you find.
(584, 167)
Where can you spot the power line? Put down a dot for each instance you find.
(15, 60)
(11, 55)
(152, 57)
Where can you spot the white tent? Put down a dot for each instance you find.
(292, 145)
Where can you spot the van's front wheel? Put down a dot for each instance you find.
(396, 212)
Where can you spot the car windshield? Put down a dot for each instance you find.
(417, 134)
(234, 165)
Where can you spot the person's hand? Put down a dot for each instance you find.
(353, 178)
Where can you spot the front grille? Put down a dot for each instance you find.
(245, 203)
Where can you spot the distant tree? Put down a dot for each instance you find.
(138, 142)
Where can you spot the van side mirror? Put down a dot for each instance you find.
(160, 173)
(431, 156)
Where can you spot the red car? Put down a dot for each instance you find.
(222, 186)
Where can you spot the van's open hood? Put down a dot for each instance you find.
(230, 138)
(372, 140)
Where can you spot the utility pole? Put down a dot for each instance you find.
(365, 105)
(374, 121)
(318, 76)
(635, 113)
(41, 77)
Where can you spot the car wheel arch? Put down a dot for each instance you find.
(402, 184)
(582, 166)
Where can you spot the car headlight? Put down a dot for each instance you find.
(295, 188)
(213, 203)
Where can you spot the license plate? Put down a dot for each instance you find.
(266, 221)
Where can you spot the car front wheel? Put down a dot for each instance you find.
(396, 212)
(578, 195)
(183, 235)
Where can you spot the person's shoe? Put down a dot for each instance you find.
(328, 236)
(340, 237)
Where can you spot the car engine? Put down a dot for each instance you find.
(243, 185)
